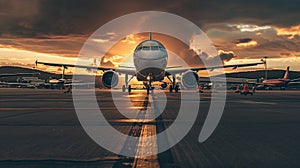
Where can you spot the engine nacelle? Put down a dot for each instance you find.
(190, 79)
(110, 79)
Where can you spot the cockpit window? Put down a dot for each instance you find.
(146, 47)
(139, 48)
(154, 47)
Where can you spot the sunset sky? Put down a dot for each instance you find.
(242, 31)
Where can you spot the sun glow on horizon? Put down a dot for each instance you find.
(121, 54)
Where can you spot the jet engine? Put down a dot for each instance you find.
(110, 79)
(190, 79)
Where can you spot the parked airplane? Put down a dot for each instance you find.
(282, 83)
(18, 74)
(150, 64)
(23, 84)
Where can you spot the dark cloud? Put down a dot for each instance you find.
(278, 45)
(243, 40)
(226, 56)
(62, 17)
(223, 56)
(62, 26)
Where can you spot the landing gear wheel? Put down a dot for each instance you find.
(176, 89)
(123, 88)
(171, 89)
(129, 88)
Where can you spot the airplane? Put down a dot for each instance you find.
(282, 83)
(18, 74)
(245, 91)
(150, 59)
(20, 83)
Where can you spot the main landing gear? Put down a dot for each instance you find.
(126, 84)
(176, 88)
(128, 88)
(173, 86)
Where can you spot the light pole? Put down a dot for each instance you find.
(266, 68)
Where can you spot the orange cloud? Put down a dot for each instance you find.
(289, 31)
(67, 46)
(247, 44)
(122, 51)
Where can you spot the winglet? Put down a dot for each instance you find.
(36, 62)
(287, 73)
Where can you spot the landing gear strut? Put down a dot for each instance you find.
(173, 86)
(171, 89)
(176, 88)
(149, 85)
(126, 84)
(129, 88)
(123, 88)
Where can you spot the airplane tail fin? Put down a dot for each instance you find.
(287, 73)
(150, 35)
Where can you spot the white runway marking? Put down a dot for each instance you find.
(147, 146)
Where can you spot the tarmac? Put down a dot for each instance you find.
(40, 127)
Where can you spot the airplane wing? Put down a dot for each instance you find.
(171, 67)
(294, 83)
(174, 71)
(295, 80)
(123, 70)
(16, 84)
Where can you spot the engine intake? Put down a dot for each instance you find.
(190, 79)
(110, 79)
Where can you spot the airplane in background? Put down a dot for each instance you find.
(150, 59)
(18, 74)
(18, 84)
(282, 83)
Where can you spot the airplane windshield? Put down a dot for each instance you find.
(146, 47)
(139, 48)
(154, 47)
(150, 46)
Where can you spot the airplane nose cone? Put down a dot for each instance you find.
(150, 50)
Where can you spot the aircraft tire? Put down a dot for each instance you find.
(129, 88)
(123, 88)
(148, 90)
(171, 89)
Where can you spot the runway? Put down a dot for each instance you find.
(40, 128)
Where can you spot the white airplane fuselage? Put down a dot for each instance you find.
(150, 60)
